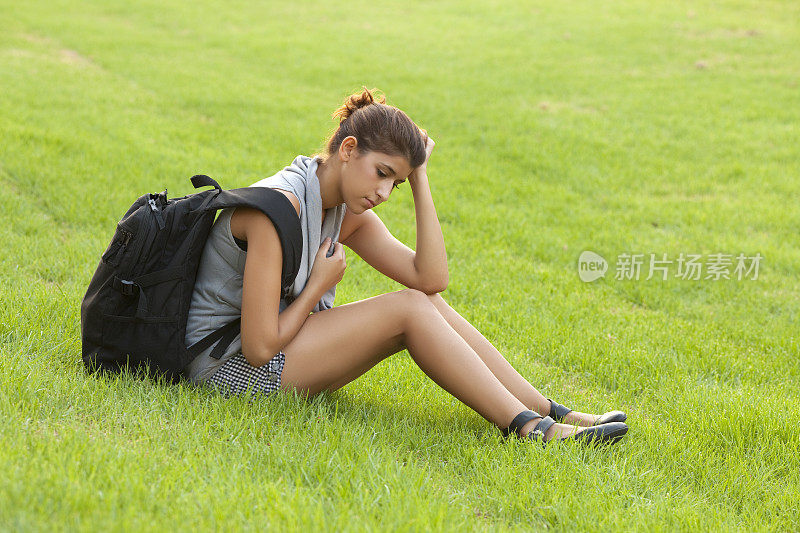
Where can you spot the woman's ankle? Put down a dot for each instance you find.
(527, 428)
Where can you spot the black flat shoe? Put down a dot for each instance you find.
(609, 433)
(558, 412)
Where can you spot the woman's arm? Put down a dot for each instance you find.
(430, 258)
(265, 332)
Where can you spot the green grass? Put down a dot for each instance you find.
(618, 128)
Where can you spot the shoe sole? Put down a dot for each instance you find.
(617, 436)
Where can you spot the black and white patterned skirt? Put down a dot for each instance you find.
(237, 375)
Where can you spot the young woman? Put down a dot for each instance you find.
(375, 149)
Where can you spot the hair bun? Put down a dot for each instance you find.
(356, 101)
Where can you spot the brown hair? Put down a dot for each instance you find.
(377, 127)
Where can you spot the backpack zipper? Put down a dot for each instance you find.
(142, 234)
(127, 235)
(156, 211)
(114, 255)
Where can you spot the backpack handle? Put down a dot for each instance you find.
(201, 180)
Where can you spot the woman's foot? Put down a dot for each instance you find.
(556, 431)
(560, 413)
(576, 418)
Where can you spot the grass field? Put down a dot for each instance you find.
(619, 128)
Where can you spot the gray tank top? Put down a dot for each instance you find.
(217, 294)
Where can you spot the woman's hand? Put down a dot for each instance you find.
(327, 271)
(423, 168)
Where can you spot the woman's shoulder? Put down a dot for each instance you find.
(292, 198)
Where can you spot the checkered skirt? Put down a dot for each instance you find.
(237, 375)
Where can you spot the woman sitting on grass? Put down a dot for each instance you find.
(375, 148)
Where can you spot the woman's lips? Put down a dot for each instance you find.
(370, 202)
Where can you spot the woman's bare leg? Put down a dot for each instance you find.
(337, 345)
(500, 367)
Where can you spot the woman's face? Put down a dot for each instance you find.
(371, 176)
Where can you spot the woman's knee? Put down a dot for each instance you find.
(414, 297)
(414, 304)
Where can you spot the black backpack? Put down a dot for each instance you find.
(135, 309)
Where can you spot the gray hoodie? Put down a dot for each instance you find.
(300, 178)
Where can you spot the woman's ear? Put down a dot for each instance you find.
(346, 149)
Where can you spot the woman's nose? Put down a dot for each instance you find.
(384, 191)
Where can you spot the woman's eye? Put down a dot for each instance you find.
(381, 174)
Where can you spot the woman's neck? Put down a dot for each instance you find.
(330, 177)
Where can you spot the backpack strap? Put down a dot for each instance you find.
(280, 211)
(224, 335)
(227, 338)
(201, 180)
(133, 287)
